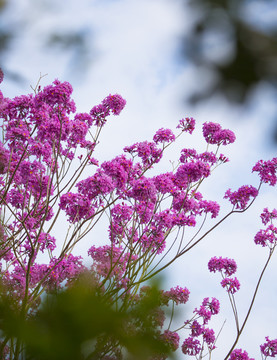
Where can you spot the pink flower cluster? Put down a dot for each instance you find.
(239, 354)
(110, 262)
(111, 104)
(214, 134)
(240, 198)
(227, 267)
(231, 284)
(200, 334)
(191, 346)
(267, 171)
(267, 237)
(178, 295)
(149, 153)
(268, 216)
(207, 309)
(187, 124)
(269, 348)
(42, 136)
(172, 339)
(163, 136)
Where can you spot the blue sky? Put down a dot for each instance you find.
(132, 48)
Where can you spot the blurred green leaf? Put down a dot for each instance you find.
(78, 323)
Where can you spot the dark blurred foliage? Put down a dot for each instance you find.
(75, 43)
(232, 52)
(225, 43)
(78, 323)
(5, 35)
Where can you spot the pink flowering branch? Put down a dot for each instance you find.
(146, 215)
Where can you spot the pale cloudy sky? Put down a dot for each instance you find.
(132, 48)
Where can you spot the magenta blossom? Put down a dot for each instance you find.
(267, 237)
(188, 154)
(164, 183)
(207, 309)
(267, 171)
(209, 337)
(112, 103)
(191, 346)
(268, 216)
(187, 124)
(144, 190)
(178, 294)
(210, 207)
(76, 207)
(269, 348)
(163, 136)
(223, 158)
(190, 172)
(232, 285)
(214, 134)
(225, 265)
(115, 103)
(241, 197)
(196, 329)
(208, 157)
(239, 354)
(172, 339)
(213, 305)
(148, 152)
(98, 185)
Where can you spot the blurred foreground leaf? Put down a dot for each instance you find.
(78, 323)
